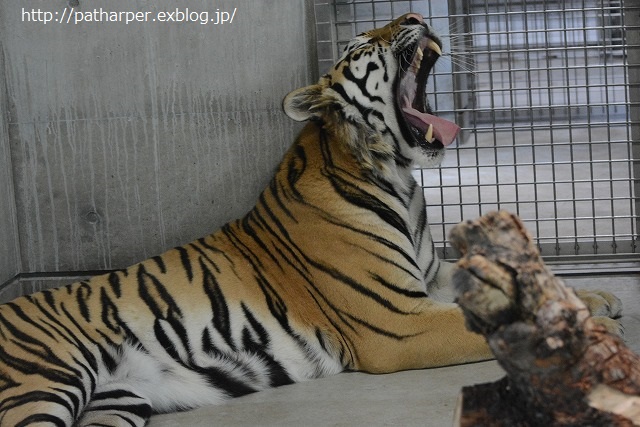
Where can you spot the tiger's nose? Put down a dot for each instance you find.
(413, 19)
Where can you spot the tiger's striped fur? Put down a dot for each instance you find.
(329, 271)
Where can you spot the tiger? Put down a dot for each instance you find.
(334, 269)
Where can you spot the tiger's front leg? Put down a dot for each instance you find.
(440, 287)
(431, 334)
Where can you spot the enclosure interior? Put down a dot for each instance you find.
(100, 138)
(119, 141)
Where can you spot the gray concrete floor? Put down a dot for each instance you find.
(413, 398)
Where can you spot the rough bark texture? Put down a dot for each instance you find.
(562, 367)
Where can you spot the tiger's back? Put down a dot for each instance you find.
(235, 312)
(220, 317)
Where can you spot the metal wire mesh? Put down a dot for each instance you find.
(543, 91)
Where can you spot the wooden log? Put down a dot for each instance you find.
(563, 368)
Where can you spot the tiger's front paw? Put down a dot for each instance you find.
(613, 326)
(601, 303)
(605, 309)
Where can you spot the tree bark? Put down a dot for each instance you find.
(562, 368)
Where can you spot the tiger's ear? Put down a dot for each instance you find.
(299, 104)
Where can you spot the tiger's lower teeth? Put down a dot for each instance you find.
(428, 136)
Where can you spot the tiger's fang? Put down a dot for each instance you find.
(431, 44)
(428, 136)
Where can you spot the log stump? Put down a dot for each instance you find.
(563, 368)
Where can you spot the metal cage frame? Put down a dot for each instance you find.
(548, 96)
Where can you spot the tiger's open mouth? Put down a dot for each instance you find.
(427, 130)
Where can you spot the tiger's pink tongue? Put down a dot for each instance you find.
(443, 130)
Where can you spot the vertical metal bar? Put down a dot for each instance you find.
(630, 22)
(628, 143)
(571, 92)
(632, 16)
(528, 66)
(373, 13)
(334, 31)
(512, 84)
(574, 94)
(549, 78)
(607, 110)
(589, 127)
(490, 66)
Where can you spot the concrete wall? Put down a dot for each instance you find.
(127, 140)
(9, 249)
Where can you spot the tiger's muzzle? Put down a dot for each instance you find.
(415, 63)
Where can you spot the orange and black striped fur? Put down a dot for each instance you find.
(330, 271)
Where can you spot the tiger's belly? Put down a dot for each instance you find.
(204, 377)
